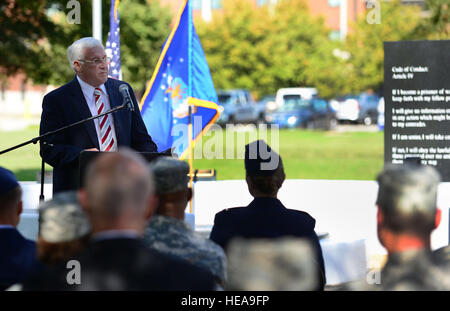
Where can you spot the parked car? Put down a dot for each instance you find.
(381, 114)
(362, 108)
(269, 102)
(238, 106)
(303, 92)
(313, 113)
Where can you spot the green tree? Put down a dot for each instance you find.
(145, 25)
(37, 41)
(366, 43)
(436, 26)
(23, 37)
(263, 49)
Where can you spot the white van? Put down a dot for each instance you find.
(303, 92)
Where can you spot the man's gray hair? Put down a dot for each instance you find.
(76, 50)
(407, 195)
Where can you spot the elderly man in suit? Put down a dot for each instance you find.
(90, 93)
(266, 216)
(18, 257)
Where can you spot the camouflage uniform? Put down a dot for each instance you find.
(173, 236)
(408, 271)
(442, 256)
(283, 264)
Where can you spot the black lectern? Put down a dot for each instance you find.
(86, 157)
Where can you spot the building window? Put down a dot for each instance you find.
(334, 3)
(196, 4)
(335, 35)
(3, 90)
(264, 2)
(23, 89)
(216, 4)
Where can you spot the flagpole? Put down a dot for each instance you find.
(190, 133)
(97, 19)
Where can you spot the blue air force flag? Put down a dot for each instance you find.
(181, 79)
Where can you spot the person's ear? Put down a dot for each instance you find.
(76, 66)
(189, 194)
(19, 208)
(379, 216)
(438, 218)
(82, 198)
(153, 202)
(250, 185)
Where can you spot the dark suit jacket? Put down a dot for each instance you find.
(67, 105)
(18, 257)
(266, 218)
(125, 264)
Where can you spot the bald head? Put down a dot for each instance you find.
(117, 184)
(407, 197)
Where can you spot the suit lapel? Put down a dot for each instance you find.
(114, 101)
(82, 109)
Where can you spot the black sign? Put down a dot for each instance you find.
(417, 103)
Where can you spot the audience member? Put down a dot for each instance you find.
(407, 214)
(442, 255)
(283, 264)
(118, 199)
(18, 255)
(64, 229)
(265, 216)
(167, 231)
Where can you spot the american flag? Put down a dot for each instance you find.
(113, 43)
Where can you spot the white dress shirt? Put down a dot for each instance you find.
(88, 92)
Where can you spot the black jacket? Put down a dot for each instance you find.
(124, 264)
(18, 257)
(67, 105)
(266, 218)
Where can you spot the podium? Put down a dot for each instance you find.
(86, 157)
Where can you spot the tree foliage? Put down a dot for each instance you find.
(263, 49)
(144, 27)
(366, 43)
(23, 37)
(436, 26)
(35, 36)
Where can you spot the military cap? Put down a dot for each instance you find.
(170, 175)
(62, 219)
(260, 159)
(408, 188)
(8, 181)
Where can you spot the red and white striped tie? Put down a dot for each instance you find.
(107, 141)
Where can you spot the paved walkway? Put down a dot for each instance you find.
(17, 123)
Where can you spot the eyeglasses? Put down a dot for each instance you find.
(97, 61)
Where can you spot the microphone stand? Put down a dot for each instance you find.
(43, 136)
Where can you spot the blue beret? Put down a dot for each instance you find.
(260, 159)
(8, 181)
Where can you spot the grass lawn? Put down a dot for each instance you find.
(305, 154)
(25, 162)
(310, 155)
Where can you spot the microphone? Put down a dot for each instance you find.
(123, 88)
